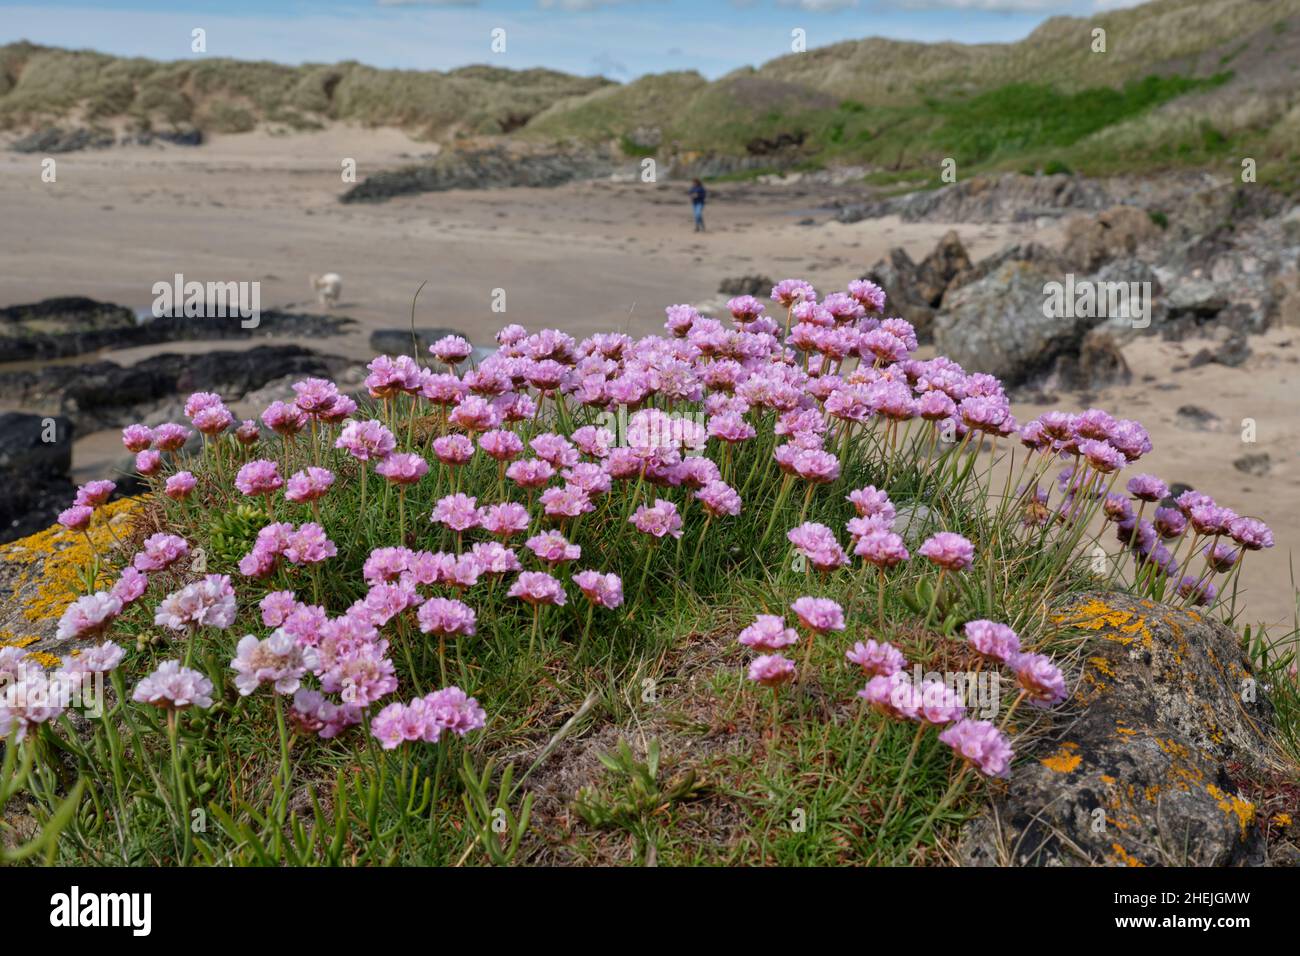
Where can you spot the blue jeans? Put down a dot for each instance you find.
(698, 208)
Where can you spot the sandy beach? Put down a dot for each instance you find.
(584, 257)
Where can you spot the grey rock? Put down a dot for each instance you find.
(912, 522)
(755, 285)
(937, 270)
(1118, 232)
(997, 325)
(1146, 770)
(1197, 419)
(1100, 363)
(1257, 464)
(896, 274)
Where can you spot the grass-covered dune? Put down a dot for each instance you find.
(727, 559)
(1201, 83)
(43, 84)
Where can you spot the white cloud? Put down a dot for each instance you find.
(819, 6)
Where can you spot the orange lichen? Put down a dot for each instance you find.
(1097, 615)
(1234, 806)
(44, 658)
(1123, 856)
(1065, 760)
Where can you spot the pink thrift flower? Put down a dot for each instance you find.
(76, 518)
(284, 419)
(366, 441)
(459, 512)
(980, 743)
(881, 658)
(537, 587)
(453, 449)
(602, 590)
(768, 633)
(567, 502)
(1042, 680)
(148, 463)
(446, 616)
(949, 551)
(553, 548)
(993, 640)
(505, 520)
(94, 493)
(309, 545)
(278, 660)
(180, 485)
(160, 551)
(501, 444)
(819, 614)
(137, 438)
(530, 472)
(939, 703)
(403, 468)
(174, 687)
(892, 695)
(89, 616)
(206, 603)
(771, 670)
(451, 349)
(277, 606)
(659, 520)
(94, 660)
(130, 586)
(309, 485)
(170, 437)
(259, 477)
(495, 558)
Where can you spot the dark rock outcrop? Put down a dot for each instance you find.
(1168, 719)
(108, 395)
(34, 482)
(1006, 198)
(480, 169)
(52, 139)
(75, 325)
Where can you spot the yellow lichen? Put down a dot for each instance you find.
(55, 560)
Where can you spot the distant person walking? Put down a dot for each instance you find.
(698, 193)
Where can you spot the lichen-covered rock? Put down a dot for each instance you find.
(41, 574)
(1165, 704)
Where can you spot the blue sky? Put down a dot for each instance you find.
(620, 39)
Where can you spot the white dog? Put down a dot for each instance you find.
(327, 288)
